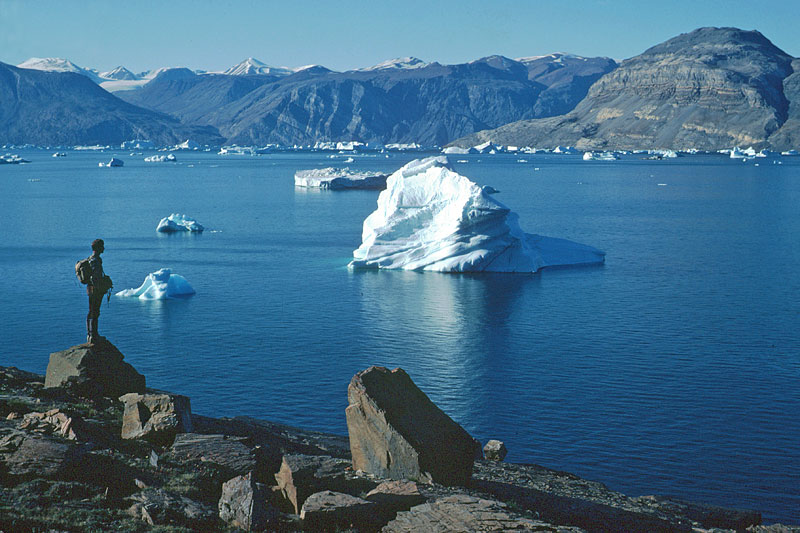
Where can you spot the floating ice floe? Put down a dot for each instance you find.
(12, 159)
(432, 218)
(160, 158)
(600, 156)
(339, 178)
(458, 150)
(160, 285)
(113, 163)
(177, 222)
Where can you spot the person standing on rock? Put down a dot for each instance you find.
(99, 284)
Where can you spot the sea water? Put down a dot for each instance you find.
(673, 369)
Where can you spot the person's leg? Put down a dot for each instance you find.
(92, 319)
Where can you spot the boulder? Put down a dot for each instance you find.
(157, 418)
(397, 432)
(495, 450)
(334, 511)
(302, 475)
(93, 370)
(243, 503)
(159, 507)
(461, 512)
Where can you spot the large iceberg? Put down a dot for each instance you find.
(160, 285)
(339, 178)
(177, 222)
(432, 218)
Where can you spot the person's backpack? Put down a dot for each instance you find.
(83, 271)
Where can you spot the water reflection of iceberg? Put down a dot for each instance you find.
(451, 333)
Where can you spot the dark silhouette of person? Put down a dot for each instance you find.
(96, 289)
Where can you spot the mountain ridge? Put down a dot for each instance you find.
(707, 89)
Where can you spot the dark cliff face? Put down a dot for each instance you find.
(62, 108)
(708, 89)
(430, 105)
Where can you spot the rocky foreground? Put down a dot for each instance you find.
(90, 448)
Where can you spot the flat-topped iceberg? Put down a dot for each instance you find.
(339, 178)
(432, 218)
(160, 285)
(177, 222)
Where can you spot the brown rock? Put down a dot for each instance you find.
(93, 370)
(302, 475)
(397, 432)
(243, 503)
(495, 450)
(334, 511)
(157, 418)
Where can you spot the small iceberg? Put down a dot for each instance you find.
(60, 154)
(790, 152)
(177, 222)
(339, 179)
(113, 163)
(12, 159)
(161, 158)
(432, 218)
(600, 156)
(160, 285)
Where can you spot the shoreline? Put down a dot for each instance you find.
(144, 481)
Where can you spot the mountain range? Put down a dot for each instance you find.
(707, 89)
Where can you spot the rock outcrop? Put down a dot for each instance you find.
(92, 370)
(224, 477)
(397, 432)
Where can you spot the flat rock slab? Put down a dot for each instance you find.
(462, 512)
(24, 454)
(397, 432)
(231, 453)
(93, 370)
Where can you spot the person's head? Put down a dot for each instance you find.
(98, 246)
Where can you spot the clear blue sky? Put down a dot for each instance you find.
(346, 34)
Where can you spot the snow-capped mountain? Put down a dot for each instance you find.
(252, 66)
(403, 63)
(119, 73)
(57, 64)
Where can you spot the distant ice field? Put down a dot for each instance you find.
(671, 369)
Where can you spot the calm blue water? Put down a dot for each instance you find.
(673, 369)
